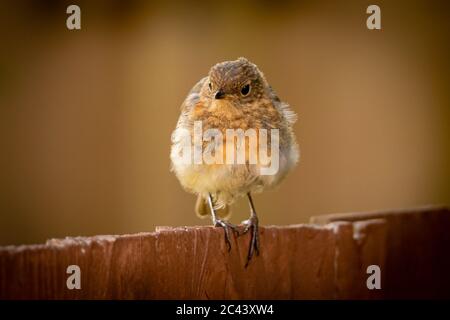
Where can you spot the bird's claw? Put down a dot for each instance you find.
(252, 224)
(226, 227)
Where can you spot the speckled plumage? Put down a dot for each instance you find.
(259, 109)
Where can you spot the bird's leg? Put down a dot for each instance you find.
(222, 223)
(252, 224)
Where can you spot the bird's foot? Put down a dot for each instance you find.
(226, 227)
(252, 224)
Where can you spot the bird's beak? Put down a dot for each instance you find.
(219, 94)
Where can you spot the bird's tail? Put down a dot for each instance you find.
(202, 209)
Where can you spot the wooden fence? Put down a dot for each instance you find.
(327, 259)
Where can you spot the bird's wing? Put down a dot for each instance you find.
(283, 107)
(192, 96)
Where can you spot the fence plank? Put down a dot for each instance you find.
(417, 246)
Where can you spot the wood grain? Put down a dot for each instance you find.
(309, 261)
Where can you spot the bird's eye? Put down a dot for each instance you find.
(245, 90)
(210, 86)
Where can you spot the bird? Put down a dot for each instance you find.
(233, 95)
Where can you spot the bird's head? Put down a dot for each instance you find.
(239, 82)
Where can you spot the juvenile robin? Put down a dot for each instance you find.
(235, 95)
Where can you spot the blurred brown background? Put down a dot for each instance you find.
(86, 116)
